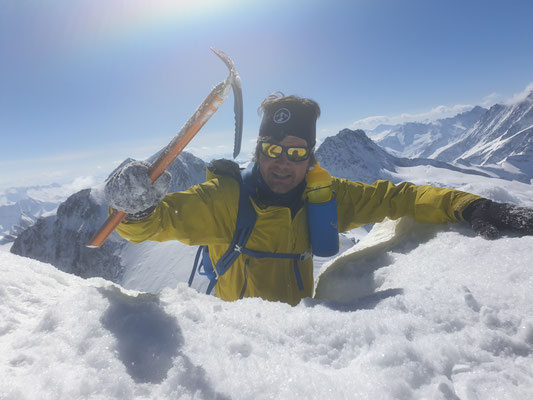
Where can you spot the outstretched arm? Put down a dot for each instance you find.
(360, 203)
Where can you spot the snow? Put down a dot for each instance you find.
(5, 246)
(441, 314)
(495, 189)
(174, 262)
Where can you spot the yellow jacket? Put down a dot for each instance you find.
(206, 214)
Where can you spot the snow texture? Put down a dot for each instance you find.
(441, 314)
(131, 190)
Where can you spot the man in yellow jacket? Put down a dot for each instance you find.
(206, 214)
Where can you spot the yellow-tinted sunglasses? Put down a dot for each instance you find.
(294, 153)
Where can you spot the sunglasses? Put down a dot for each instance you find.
(293, 153)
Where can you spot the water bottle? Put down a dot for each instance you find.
(322, 212)
(318, 185)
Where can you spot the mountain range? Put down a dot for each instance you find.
(61, 239)
(499, 139)
(482, 146)
(17, 216)
(353, 155)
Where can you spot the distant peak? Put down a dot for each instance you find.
(357, 132)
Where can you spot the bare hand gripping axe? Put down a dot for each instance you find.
(202, 114)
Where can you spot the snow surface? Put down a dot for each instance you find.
(500, 190)
(442, 315)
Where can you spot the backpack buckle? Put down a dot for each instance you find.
(305, 256)
(238, 248)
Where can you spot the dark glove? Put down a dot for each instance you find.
(130, 189)
(487, 218)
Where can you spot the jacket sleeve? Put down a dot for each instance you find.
(359, 203)
(203, 214)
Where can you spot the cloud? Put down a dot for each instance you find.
(53, 193)
(518, 97)
(60, 193)
(497, 98)
(491, 99)
(438, 112)
(64, 157)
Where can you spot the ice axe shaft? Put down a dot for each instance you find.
(202, 114)
(205, 111)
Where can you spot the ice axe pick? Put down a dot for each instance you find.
(202, 114)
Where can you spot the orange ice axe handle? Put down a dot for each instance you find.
(202, 114)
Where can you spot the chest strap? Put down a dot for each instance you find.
(295, 257)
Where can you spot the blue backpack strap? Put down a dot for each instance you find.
(195, 265)
(246, 218)
(294, 256)
(203, 264)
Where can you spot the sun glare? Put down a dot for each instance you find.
(112, 22)
(162, 9)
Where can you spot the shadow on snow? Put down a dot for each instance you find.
(149, 341)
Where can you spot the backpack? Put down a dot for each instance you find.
(246, 218)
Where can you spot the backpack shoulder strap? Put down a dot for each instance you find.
(246, 218)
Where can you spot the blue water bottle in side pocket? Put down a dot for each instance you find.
(322, 212)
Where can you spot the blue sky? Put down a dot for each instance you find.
(85, 84)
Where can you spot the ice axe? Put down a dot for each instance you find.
(202, 114)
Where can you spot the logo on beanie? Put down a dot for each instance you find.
(281, 116)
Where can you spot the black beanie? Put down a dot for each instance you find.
(289, 118)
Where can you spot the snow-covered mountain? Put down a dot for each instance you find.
(504, 135)
(353, 155)
(21, 207)
(500, 140)
(18, 216)
(418, 139)
(61, 239)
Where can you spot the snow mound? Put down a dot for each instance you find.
(444, 315)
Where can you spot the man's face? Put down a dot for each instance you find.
(280, 174)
